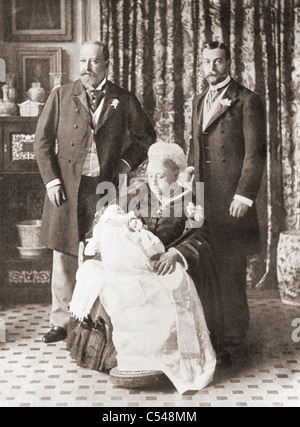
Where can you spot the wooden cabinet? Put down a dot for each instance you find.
(22, 194)
(16, 136)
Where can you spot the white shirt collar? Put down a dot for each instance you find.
(101, 84)
(221, 84)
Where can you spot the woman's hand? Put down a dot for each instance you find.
(166, 263)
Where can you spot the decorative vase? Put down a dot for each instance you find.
(36, 93)
(7, 104)
(288, 267)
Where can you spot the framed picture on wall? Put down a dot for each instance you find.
(37, 20)
(35, 65)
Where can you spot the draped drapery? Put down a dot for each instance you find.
(155, 48)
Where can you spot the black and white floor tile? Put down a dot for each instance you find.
(266, 369)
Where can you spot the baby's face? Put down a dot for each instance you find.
(135, 224)
(115, 210)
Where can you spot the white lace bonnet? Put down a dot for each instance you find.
(168, 150)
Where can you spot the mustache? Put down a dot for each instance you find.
(216, 75)
(87, 73)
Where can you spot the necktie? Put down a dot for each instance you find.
(95, 97)
(211, 97)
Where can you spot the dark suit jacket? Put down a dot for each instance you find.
(123, 131)
(229, 156)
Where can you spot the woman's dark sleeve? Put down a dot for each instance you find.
(192, 244)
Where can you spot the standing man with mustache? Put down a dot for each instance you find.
(227, 153)
(100, 130)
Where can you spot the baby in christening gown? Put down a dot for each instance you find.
(119, 231)
(125, 248)
(158, 321)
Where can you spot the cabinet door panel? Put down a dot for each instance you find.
(18, 147)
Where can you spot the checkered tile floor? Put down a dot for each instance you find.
(266, 369)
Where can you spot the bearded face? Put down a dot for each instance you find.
(215, 65)
(93, 66)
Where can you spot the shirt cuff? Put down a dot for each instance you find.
(126, 164)
(245, 200)
(184, 261)
(53, 183)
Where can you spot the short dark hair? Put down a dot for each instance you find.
(218, 45)
(103, 46)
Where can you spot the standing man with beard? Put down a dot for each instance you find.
(228, 154)
(88, 120)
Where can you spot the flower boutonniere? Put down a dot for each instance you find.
(226, 102)
(115, 103)
(194, 212)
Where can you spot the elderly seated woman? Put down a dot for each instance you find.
(136, 304)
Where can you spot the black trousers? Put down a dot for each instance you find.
(232, 270)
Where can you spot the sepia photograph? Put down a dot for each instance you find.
(149, 206)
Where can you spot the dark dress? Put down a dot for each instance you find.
(90, 342)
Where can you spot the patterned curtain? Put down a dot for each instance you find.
(155, 48)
